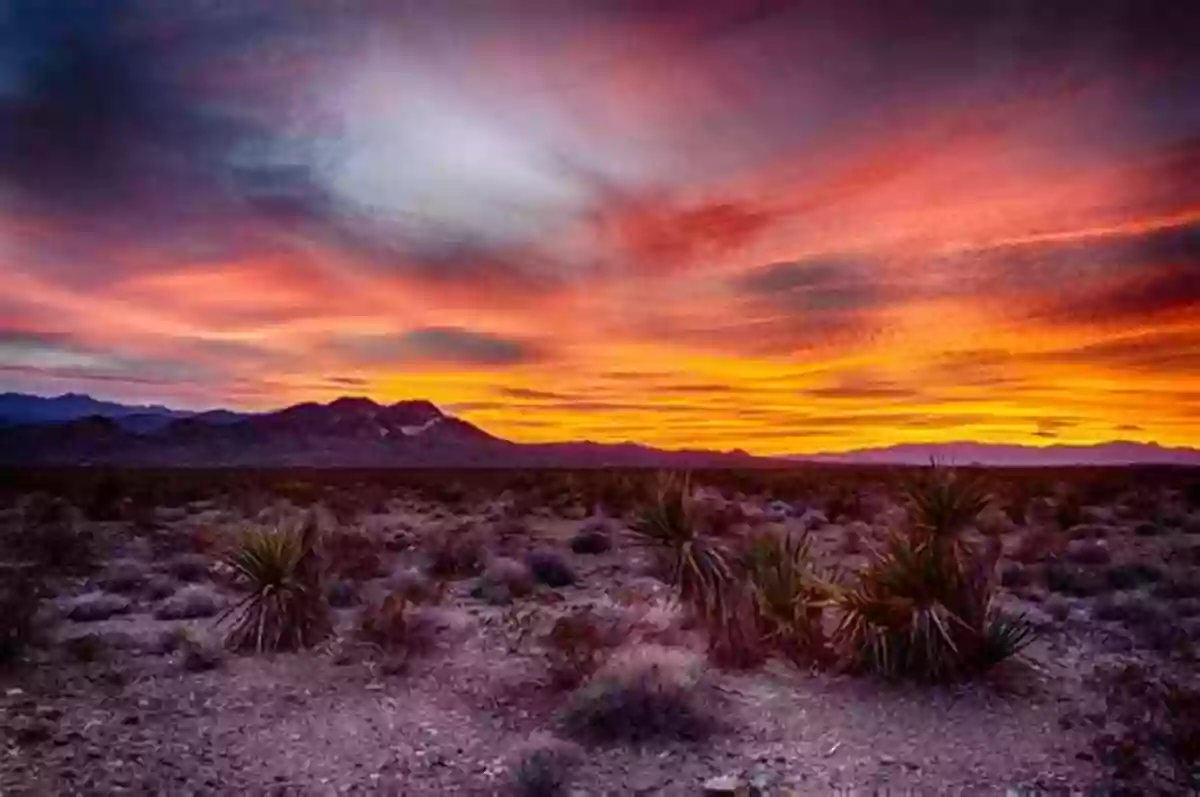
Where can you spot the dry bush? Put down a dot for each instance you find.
(352, 553)
(577, 643)
(544, 767)
(550, 568)
(645, 693)
(397, 627)
(594, 537)
(453, 553)
(123, 576)
(285, 606)
(189, 603)
(503, 580)
(1038, 545)
(189, 567)
(415, 586)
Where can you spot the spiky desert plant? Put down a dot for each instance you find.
(921, 611)
(285, 607)
(788, 595)
(695, 562)
(942, 503)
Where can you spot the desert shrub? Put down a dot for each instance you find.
(1078, 581)
(415, 586)
(1148, 738)
(454, 552)
(93, 607)
(577, 643)
(20, 596)
(922, 608)
(123, 576)
(190, 567)
(697, 564)
(1087, 552)
(189, 603)
(199, 652)
(396, 626)
(159, 587)
(285, 606)
(645, 693)
(787, 595)
(550, 568)
(1039, 545)
(503, 579)
(1130, 575)
(993, 522)
(544, 767)
(594, 537)
(351, 553)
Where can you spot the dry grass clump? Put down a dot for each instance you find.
(578, 643)
(391, 624)
(284, 608)
(352, 553)
(453, 553)
(550, 568)
(189, 603)
(503, 580)
(644, 693)
(922, 608)
(698, 564)
(544, 767)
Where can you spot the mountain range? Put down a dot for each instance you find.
(357, 432)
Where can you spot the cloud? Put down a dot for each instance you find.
(451, 345)
(531, 394)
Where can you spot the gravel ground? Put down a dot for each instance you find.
(320, 723)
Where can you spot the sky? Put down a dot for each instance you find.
(783, 227)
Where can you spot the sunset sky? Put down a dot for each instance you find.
(777, 226)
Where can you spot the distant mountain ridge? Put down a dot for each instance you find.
(347, 432)
(1114, 453)
(357, 432)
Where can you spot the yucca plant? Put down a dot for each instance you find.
(695, 562)
(943, 503)
(285, 607)
(788, 596)
(919, 611)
